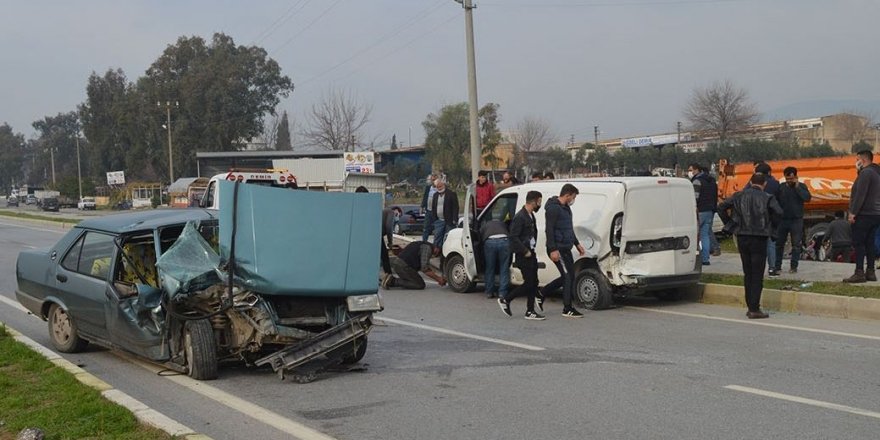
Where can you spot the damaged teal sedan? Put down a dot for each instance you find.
(270, 280)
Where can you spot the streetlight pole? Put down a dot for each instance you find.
(52, 158)
(468, 6)
(78, 167)
(168, 126)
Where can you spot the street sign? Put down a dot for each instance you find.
(360, 162)
(116, 178)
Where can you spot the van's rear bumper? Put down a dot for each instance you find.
(666, 282)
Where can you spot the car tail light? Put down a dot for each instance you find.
(281, 179)
(240, 178)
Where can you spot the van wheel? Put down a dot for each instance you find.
(63, 332)
(456, 275)
(200, 350)
(592, 289)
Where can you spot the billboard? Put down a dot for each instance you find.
(116, 178)
(360, 162)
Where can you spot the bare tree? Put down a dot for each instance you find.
(722, 107)
(533, 134)
(336, 122)
(270, 131)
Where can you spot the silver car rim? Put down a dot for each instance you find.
(459, 275)
(588, 290)
(61, 328)
(188, 351)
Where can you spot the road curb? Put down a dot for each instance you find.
(142, 412)
(807, 303)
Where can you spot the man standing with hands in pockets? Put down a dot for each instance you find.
(559, 227)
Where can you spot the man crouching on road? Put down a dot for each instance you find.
(752, 215)
(414, 257)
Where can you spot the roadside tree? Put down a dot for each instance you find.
(447, 141)
(337, 122)
(721, 108)
(282, 139)
(12, 155)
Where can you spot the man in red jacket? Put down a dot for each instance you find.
(485, 191)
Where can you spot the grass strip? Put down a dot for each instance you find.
(26, 216)
(823, 287)
(38, 394)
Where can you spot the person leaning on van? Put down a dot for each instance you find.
(559, 227)
(753, 215)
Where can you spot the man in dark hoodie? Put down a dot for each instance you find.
(792, 196)
(559, 228)
(864, 214)
(706, 194)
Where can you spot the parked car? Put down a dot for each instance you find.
(30, 199)
(50, 204)
(640, 235)
(86, 204)
(151, 283)
(411, 220)
(12, 201)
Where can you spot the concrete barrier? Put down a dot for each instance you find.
(807, 303)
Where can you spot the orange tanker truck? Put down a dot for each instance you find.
(829, 180)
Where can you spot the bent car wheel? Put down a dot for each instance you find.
(200, 350)
(353, 357)
(456, 275)
(63, 332)
(592, 289)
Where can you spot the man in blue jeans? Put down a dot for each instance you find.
(706, 194)
(560, 238)
(497, 252)
(427, 197)
(772, 188)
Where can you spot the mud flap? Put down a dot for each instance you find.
(323, 343)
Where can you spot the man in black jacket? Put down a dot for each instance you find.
(864, 214)
(445, 209)
(706, 194)
(752, 215)
(427, 199)
(523, 236)
(792, 196)
(559, 227)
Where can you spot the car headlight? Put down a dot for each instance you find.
(364, 303)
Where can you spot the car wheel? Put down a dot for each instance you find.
(351, 353)
(200, 350)
(63, 332)
(592, 289)
(457, 276)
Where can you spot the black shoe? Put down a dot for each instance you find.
(706, 263)
(792, 270)
(757, 315)
(871, 275)
(857, 278)
(539, 300)
(773, 273)
(532, 316)
(572, 313)
(505, 306)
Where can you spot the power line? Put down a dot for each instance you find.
(287, 15)
(407, 44)
(415, 19)
(308, 26)
(607, 3)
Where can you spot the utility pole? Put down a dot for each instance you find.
(52, 158)
(596, 136)
(170, 154)
(410, 136)
(78, 167)
(468, 6)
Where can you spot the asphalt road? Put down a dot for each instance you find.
(450, 366)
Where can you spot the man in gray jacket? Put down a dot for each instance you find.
(752, 215)
(864, 215)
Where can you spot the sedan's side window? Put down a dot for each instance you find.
(91, 255)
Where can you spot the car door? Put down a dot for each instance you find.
(133, 296)
(502, 208)
(467, 242)
(81, 281)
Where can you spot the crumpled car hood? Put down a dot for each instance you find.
(301, 243)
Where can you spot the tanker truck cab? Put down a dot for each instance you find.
(639, 233)
(271, 177)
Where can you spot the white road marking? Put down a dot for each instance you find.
(764, 324)
(805, 401)
(460, 334)
(249, 409)
(32, 228)
(12, 303)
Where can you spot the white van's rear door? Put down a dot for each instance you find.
(660, 213)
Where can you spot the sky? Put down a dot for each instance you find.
(627, 66)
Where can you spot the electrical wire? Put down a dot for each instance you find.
(308, 26)
(280, 20)
(608, 4)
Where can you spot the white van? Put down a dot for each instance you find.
(270, 177)
(640, 235)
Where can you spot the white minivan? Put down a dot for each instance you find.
(640, 235)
